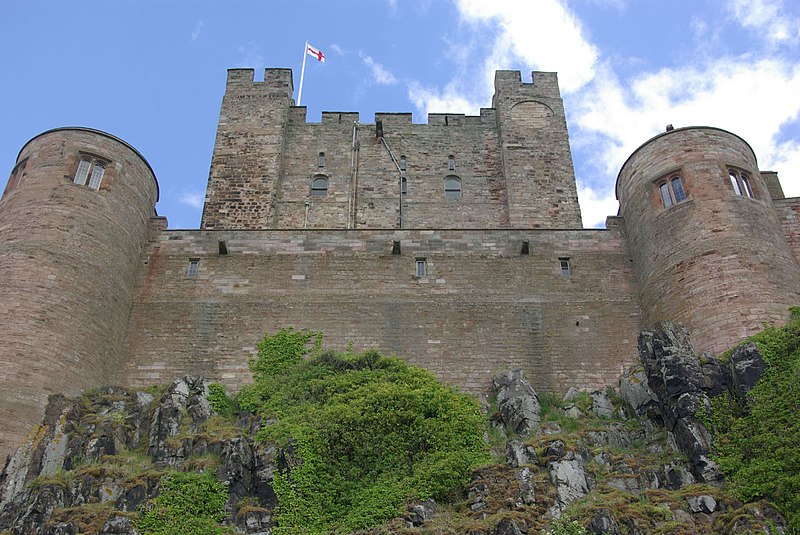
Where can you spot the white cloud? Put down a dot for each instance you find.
(197, 29)
(449, 100)
(194, 198)
(767, 17)
(595, 207)
(544, 35)
(380, 74)
(336, 48)
(751, 98)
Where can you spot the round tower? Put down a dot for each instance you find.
(73, 222)
(706, 244)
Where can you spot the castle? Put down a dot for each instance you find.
(456, 245)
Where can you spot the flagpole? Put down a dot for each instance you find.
(302, 74)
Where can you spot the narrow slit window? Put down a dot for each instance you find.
(82, 173)
(403, 185)
(452, 187)
(319, 187)
(735, 183)
(666, 198)
(677, 189)
(746, 186)
(97, 176)
(321, 160)
(402, 163)
(451, 163)
(564, 265)
(191, 271)
(421, 269)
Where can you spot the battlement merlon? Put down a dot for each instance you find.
(544, 85)
(275, 80)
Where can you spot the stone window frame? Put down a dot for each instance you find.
(403, 185)
(316, 189)
(671, 189)
(321, 160)
(91, 170)
(741, 182)
(16, 174)
(420, 267)
(452, 193)
(565, 266)
(193, 268)
(451, 163)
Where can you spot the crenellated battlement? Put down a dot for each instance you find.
(543, 84)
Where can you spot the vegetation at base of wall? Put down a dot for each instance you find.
(190, 502)
(361, 433)
(220, 402)
(757, 445)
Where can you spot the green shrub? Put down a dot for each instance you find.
(758, 447)
(220, 402)
(367, 433)
(187, 503)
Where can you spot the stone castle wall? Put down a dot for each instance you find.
(482, 307)
(95, 289)
(513, 162)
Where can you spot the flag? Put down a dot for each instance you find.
(316, 52)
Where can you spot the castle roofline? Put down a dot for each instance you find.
(100, 132)
(662, 134)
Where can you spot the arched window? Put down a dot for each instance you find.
(402, 163)
(452, 187)
(735, 183)
(321, 160)
(319, 186)
(740, 182)
(671, 191)
(677, 189)
(451, 163)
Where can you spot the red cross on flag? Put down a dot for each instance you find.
(316, 52)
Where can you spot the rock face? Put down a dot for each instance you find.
(683, 382)
(96, 437)
(519, 407)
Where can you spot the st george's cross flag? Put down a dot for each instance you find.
(316, 52)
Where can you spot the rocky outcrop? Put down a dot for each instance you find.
(86, 452)
(519, 406)
(683, 382)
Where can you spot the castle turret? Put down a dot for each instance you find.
(707, 247)
(73, 222)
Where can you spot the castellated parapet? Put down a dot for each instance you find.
(456, 245)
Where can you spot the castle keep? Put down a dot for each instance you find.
(456, 245)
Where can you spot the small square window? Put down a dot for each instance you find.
(565, 267)
(421, 267)
(191, 271)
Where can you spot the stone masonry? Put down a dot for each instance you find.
(456, 245)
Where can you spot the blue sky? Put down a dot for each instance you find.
(153, 72)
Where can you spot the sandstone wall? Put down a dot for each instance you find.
(67, 270)
(514, 162)
(788, 212)
(482, 307)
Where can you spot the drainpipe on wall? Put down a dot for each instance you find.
(351, 202)
(399, 174)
